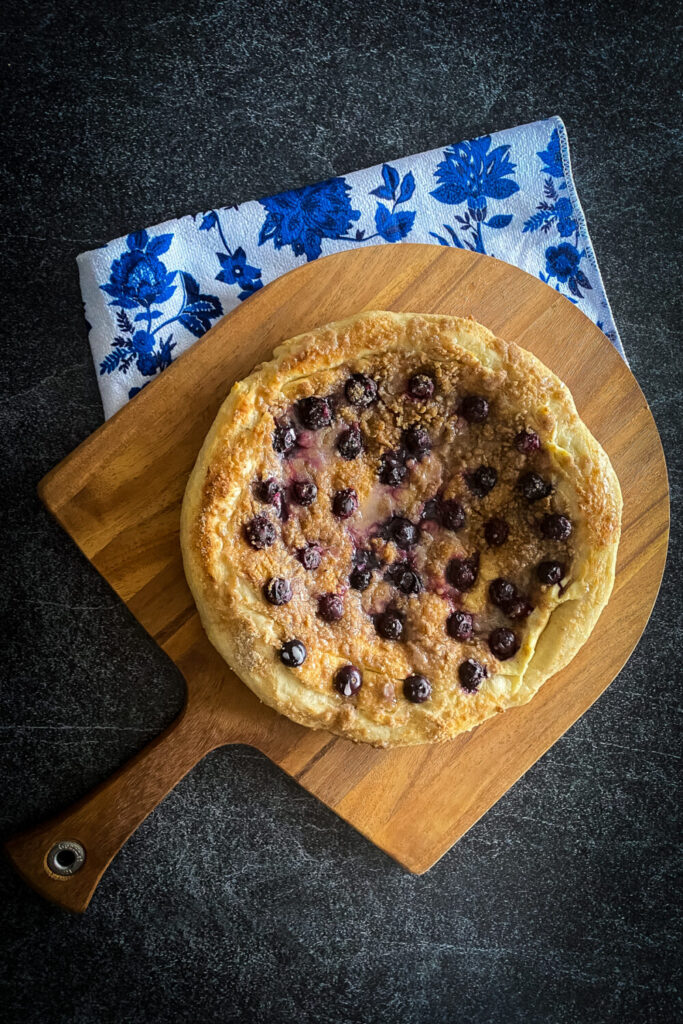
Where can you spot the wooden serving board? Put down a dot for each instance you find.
(119, 496)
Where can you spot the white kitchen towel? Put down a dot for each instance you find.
(150, 295)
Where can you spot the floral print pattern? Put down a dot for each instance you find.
(556, 212)
(511, 195)
(302, 217)
(234, 266)
(390, 225)
(551, 156)
(470, 174)
(138, 278)
(562, 262)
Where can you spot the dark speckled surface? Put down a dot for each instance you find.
(242, 898)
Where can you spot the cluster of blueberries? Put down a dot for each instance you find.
(361, 391)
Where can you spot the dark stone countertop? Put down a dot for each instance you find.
(242, 898)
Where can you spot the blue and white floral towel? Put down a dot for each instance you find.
(150, 295)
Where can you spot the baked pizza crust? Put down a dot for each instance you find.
(248, 632)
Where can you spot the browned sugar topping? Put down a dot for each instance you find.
(408, 490)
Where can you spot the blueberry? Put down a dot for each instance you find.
(527, 442)
(421, 386)
(284, 438)
(505, 595)
(344, 503)
(392, 469)
(417, 441)
(534, 487)
(350, 443)
(417, 689)
(315, 413)
(309, 556)
(402, 532)
(550, 572)
(460, 625)
(360, 390)
(556, 527)
(304, 492)
(282, 506)
(268, 491)
(347, 680)
(471, 673)
(389, 625)
(406, 579)
(277, 590)
(360, 579)
(474, 408)
(260, 532)
(431, 510)
(462, 572)
(503, 643)
(410, 582)
(293, 653)
(482, 480)
(451, 514)
(496, 532)
(518, 608)
(502, 591)
(364, 558)
(330, 607)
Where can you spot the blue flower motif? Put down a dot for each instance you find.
(151, 361)
(142, 342)
(147, 364)
(198, 309)
(145, 347)
(566, 225)
(469, 172)
(554, 209)
(562, 262)
(477, 207)
(302, 217)
(235, 269)
(390, 225)
(559, 213)
(209, 221)
(234, 266)
(552, 157)
(138, 277)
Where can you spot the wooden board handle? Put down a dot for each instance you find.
(93, 830)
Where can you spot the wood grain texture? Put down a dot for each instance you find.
(119, 495)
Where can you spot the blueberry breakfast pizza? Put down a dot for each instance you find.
(399, 527)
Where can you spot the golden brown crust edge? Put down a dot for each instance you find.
(590, 489)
